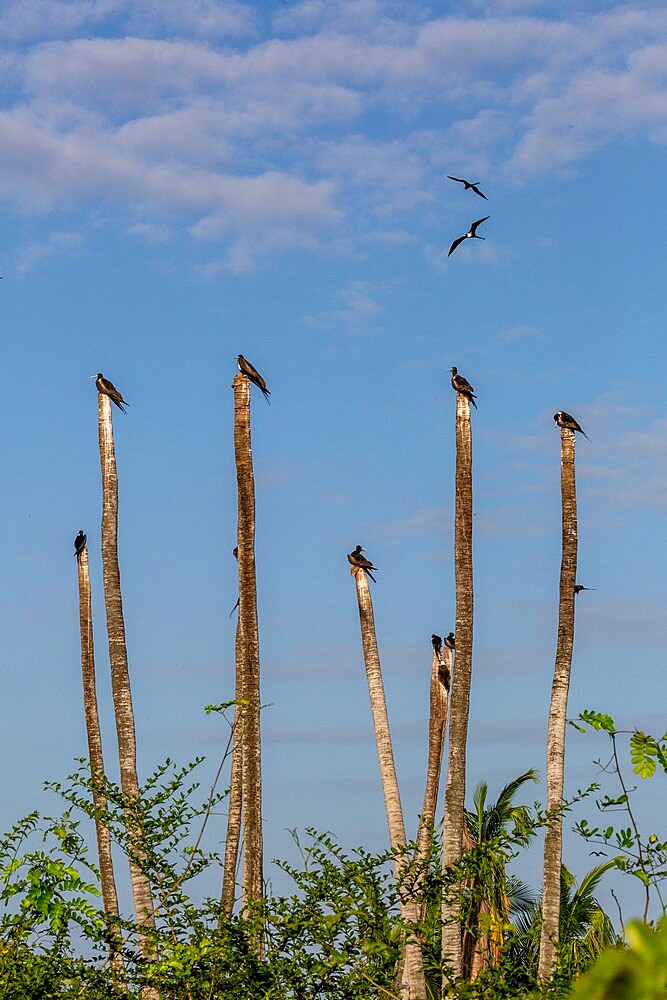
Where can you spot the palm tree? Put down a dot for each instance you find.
(91, 714)
(235, 799)
(452, 833)
(120, 682)
(493, 895)
(247, 651)
(555, 768)
(413, 987)
(585, 929)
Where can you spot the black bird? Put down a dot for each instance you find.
(450, 641)
(79, 544)
(463, 386)
(356, 559)
(247, 369)
(107, 388)
(469, 185)
(238, 601)
(437, 645)
(564, 419)
(578, 588)
(470, 235)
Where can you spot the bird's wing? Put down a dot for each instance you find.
(473, 228)
(459, 179)
(455, 244)
(477, 191)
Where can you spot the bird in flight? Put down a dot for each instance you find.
(463, 386)
(450, 642)
(564, 419)
(469, 185)
(437, 645)
(79, 544)
(107, 388)
(356, 559)
(470, 235)
(578, 588)
(247, 369)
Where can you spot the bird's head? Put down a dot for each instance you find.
(558, 415)
(99, 375)
(454, 371)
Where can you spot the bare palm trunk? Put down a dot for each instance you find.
(452, 834)
(553, 840)
(413, 987)
(441, 672)
(103, 835)
(234, 815)
(252, 885)
(120, 679)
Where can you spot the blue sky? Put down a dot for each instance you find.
(181, 183)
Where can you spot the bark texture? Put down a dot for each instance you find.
(91, 714)
(252, 885)
(120, 677)
(235, 800)
(441, 672)
(452, 833)
(553, 840)
(413, 985)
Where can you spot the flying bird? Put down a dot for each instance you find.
(437, 645)
(450, 642)
(107, 388)
(356, 559)
(564, 419)
(247, 369)
(469, 185)
(470, 235)
(79, 544)
(578, 588)
(463, 386)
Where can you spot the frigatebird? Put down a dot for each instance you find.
(450, 641)
(79, 544)
(107, 388)
(356, 559)
(463, 386)
(578, 588)
(247, 369)
(470, 235)
(437, 645)
(564, 419)
(469, 185)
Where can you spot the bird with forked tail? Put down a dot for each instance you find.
(247, 369)
(357, 561)
(564, 419)
(107, 388)
(463, 386)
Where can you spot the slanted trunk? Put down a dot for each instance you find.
(252, 885)
(553, 840)
(452, 834)
(120, 681)
(103, 835)
(413, 985)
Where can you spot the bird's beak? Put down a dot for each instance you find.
(93, 376)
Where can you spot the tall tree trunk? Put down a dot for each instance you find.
(413, 987)
(120, 680)
(553, 839)
(441, 672)
(252, 885)
(235, 810)
(103, 835)
(452, 834)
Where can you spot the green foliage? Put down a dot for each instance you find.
(638, 972)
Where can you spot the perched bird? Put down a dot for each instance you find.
(469, 185)
(470, 235)
(463, 386)
(437, 645)
(247, 369)
(79, 544)
(578, 588)
(450, 641)
(356, 559)
(238, 601)
(564, 419)
(107, 388)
